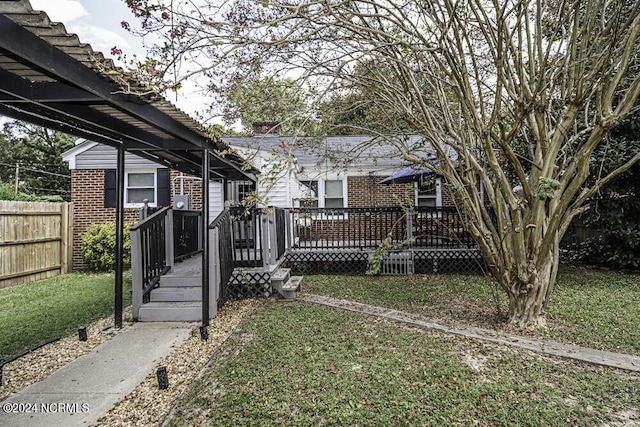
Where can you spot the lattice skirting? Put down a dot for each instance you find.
(415, 261)
(328, 262)
(247, 284)
(449, 261)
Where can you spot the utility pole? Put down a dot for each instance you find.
(17, 178)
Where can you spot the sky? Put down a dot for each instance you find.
(97, 22)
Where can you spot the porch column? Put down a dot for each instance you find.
(205, 237)
(119, 236)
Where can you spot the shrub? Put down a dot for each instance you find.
(99, 246)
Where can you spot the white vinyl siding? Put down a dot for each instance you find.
(103, 156)
(216, 199)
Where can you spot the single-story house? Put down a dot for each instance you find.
(296, 172)
(332, 172)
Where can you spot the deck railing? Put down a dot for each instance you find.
(365, 228)
(259, 235)
(187, 238)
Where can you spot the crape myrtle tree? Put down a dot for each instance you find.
(522, 91)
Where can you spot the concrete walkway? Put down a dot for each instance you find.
(83, 391)
(567, 351)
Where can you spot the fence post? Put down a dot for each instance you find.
(169, 246)
(136, 273)
(66, 237)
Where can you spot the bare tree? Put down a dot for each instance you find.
(523, 91)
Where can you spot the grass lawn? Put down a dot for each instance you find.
(36, 313)
(305, 365)
(592, 308)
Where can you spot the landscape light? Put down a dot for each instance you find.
(163, 378)
(204, 333)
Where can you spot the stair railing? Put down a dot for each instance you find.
(221, 261)
(151, 254)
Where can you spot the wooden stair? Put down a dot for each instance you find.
(176, 299)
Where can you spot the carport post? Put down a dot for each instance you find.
(119, 236)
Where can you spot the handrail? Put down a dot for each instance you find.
(149, 218)
(149, 255)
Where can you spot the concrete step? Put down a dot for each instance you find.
(280, 277)
(293, 284)
(176, 293)
(170, 312)
(289, 289)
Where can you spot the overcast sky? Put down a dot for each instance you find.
(97, 22)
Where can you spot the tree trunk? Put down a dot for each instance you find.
(528, 295)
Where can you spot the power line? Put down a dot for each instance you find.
(36, 170)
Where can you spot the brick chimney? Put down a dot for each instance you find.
(266, 128)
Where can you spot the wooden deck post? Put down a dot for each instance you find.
(136, 273)
(409, 215)
(169, 239)
(215, 276)
(264, 239)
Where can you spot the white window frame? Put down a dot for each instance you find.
(322, 189)
(126, 187)
(438, 196)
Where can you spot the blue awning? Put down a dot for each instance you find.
(409, 174)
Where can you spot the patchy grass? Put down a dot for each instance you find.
(304, 365)
(599, 309)
(39, 312)
(596, 309)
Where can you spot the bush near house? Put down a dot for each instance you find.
(99, 246)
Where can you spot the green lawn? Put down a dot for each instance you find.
(588, 307)
(305, 365)
(36, 313)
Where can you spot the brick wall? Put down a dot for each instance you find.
(365, 192)
(87, 193)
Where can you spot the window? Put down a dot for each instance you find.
(428, 194)
(151, 184)
(239, 190)
(333, 194)
(324, 193)
(140, 186)
(311, 198)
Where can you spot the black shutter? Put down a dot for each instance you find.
(110, 189)
(164, 187)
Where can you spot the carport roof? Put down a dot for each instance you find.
(50, 78)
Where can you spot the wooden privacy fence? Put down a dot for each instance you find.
(36, 240)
